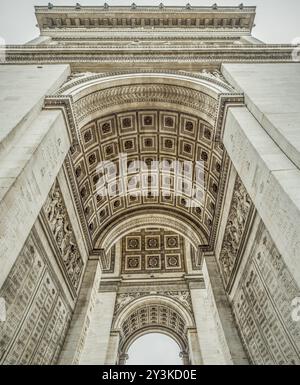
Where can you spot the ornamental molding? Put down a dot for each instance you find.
(204, 54)
(181, 296)
(237, 227)
(65, 104)
(145, 93)
(215, 77)
(56, 221)
(183, 96)
(99, 34)
(138, 8)
(123, 17)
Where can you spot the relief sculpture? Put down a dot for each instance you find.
(235, 228)
(63, 236)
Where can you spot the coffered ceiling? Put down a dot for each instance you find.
(146, 135)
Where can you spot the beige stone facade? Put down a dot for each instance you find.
(102, 238)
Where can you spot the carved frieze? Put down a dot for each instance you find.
(139, 93)
(37, 314)
(263, 305)
(63, 237)
(235, 230)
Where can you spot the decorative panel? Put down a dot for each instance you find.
(147, 135)
(63, 238)
(235, 231)
(263, 305)
(154, 250)
(37, 313)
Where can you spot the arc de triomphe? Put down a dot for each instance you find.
(89, 265)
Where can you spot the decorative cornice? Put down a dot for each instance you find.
(64, 103)
(214, 77)
(138, 8)
(56, 222)
(100, 54)
(152, 17)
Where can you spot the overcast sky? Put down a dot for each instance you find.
(277, 21)
(154, 349)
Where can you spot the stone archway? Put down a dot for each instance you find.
(153, 313)
(61, 238)
(186, 113)
(181, 117)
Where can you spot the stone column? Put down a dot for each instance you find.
(33, 146)
(194, 349)
(229, 340)
(113, 348)
(212, 351)
(75, 339)
(97, 341)
(185, 358)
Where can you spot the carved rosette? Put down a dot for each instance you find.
(236, 227)
(63, 236)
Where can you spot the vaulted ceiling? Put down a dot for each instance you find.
(151, 251)
(148, 135)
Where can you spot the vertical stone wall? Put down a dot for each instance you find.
(41, 289)
(59, 228)
(259, 284)
(262, 305)
(38, 313)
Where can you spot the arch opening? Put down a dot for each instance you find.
(149, 118)
(154, 348)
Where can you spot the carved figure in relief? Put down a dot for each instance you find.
(237, 219)
(51, 209)
(63, 234)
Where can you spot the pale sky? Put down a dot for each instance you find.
(154, 349)
(277, 21)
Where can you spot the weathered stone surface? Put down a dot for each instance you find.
(38, 314)
(23, 198)
(83, 274)
(272, 96)
(271, 179)
(263, 305)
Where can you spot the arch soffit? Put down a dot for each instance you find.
(152, 300)
(95, 95)
(82, 87)
(89, 83)
(138, 221)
